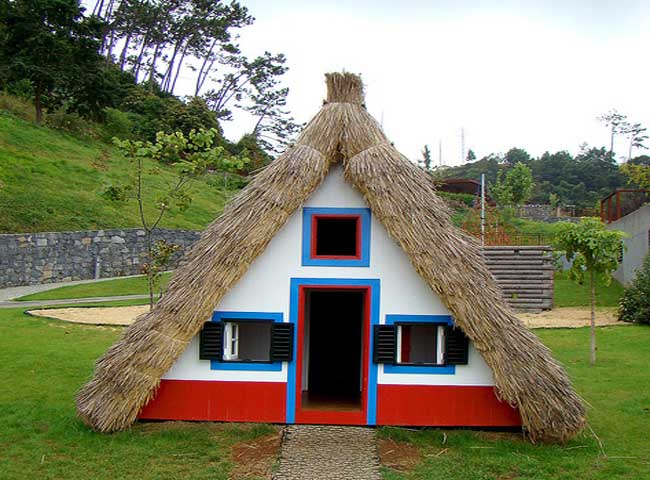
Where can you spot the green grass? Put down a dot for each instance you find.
(51, 181)
(109, 288)
(42, 365)
(618, 390)
(571, 294)
(44, 362)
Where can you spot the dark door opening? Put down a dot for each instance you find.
(332, 372)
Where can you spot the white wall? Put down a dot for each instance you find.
(637, 227)
(265, 288)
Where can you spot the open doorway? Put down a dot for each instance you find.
(332, 370)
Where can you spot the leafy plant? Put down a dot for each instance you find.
(635, 304)
(594, 252)
(161, 254)
(515, 188)
(191, 156)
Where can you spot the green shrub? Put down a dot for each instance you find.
(117, 124)
(70, 122)
(635, 304)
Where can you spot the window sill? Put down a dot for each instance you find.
(246, 366)
(421, 369)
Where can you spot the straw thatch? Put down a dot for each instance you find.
(402, 197)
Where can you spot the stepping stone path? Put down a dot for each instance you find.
(324, 452)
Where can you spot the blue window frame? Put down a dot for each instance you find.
(420, 320)
(220, 316)
(310, 218)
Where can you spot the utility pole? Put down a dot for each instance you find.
(462, 145)
(440, 153)
(482, 209)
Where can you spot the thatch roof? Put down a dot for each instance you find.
(402, 197)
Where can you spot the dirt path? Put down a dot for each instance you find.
(94, 315)
(557, 318)
(569, 317)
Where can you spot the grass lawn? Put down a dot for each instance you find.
(52, 181)
(42, 365)
(570, 294)
(44, 362)
(618, 390)
(109, 288)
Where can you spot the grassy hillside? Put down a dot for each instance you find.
(50, 181)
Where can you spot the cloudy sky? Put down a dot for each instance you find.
(531, 74)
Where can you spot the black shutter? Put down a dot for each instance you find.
(282, 342)
(210, 344)
(457, 346)
(385, 344)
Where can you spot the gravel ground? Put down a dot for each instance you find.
(327, 452)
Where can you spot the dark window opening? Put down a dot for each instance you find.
(336, 236)
(333, 348)
(418, 344)
(247, 341)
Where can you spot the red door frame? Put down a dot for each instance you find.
(357, 417)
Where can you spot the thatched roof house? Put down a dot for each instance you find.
(506, 368)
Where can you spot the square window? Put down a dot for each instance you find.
(418, 344)
(336, 237)
(247, 341)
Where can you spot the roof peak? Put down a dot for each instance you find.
(344, 87)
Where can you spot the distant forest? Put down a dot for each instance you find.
(579, 181)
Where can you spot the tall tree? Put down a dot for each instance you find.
(617, 124)
(637, 136)
(49, 43)
(425, 162)
(516, 155)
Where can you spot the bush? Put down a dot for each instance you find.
(635, 304)
(117, 124)
(68, 122)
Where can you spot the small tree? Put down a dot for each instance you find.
(191, 157)
(515, 188)
(594, 252)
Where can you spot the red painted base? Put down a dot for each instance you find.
(443, 406)
(218, 401)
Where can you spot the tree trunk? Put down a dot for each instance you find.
(629, 155)
(178, 70)
(125, 50)
(592, 349)
(38, 107)
(150, 272)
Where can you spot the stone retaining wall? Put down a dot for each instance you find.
(33, 258)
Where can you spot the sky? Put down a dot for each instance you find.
(528, 74)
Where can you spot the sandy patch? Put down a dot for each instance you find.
(569, 317)
(94, 315)
(557, 318)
